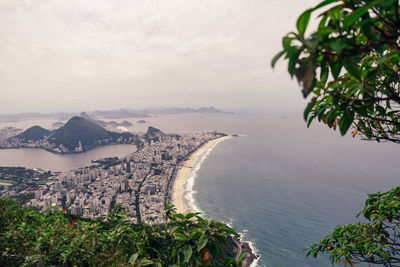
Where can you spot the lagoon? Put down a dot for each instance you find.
(39, 158)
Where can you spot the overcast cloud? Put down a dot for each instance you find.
(72, 55)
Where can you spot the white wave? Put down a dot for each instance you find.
(188, 192)
(252, 246)
(191, 205)
(255, 252)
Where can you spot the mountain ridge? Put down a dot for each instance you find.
(80, 132)
(77, 135)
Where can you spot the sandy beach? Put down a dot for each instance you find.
(184, 171)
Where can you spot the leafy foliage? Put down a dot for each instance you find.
(350, 65)
(30, 238)
(376, 241)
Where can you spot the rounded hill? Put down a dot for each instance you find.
(34, 133)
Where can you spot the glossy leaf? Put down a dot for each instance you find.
(345, 122)
(302, 21)
(202, 243)
(355, 15)
(187, 253)
(276, 58)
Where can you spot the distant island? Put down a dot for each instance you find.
(108, 114)
(103, 123)
(76, 136)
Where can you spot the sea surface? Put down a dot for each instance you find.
(281, 185)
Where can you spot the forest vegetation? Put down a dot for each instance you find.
(56, 238)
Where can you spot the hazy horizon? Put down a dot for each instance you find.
(244, 110)
(98, 54)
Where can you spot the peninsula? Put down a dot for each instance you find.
(76, 136)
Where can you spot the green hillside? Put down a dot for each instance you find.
(34, 133)
(79, 129)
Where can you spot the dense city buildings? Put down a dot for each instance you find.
(141, 181)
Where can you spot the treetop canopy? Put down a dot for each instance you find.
(350, 66)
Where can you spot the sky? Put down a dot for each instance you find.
(72, 55)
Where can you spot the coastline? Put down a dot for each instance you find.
(182, 174)
(184, 170)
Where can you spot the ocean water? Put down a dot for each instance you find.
(284, 186)
(281, 185)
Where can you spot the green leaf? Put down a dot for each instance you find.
(320, 112)
(179, 215)
(370, 75)
(191, 215)
(145, 262)
(330, 118)
(187, 253)
(321, 25)
(308, 109)
(350, 64)
(276, 58)
(242, 256)
(381, 110)
(202, 243)
(345, 122)
(335, 69)
(382, 60)
(338, 45)
(358, 13)
(286, 41)
(175, 229)
(228, 230)
(180, 237)
(302, 21)
(387, 3)
(324, 74)
(193, 234)
(133, 258)
(200, 219)
(310, 121)
(292, 62)
(324, 3)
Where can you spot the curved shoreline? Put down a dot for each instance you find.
(184, 170)
(177, 195)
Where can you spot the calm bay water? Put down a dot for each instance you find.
(38, 158)
(284, 186)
